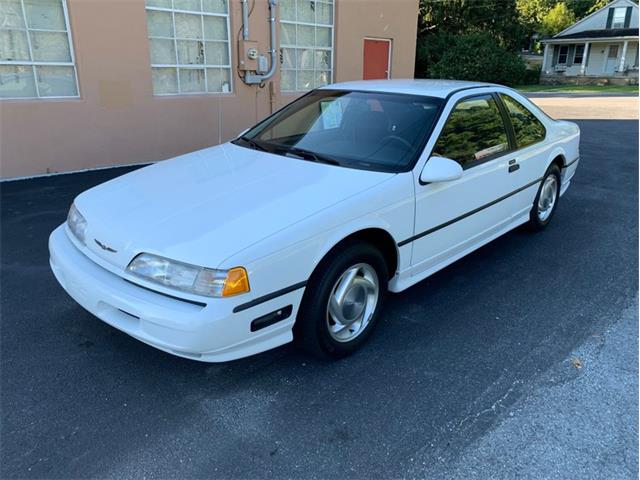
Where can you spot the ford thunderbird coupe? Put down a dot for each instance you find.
(298, 228)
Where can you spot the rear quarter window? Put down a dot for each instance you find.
(527, 128)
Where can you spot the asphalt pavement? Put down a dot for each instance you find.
(518, 361)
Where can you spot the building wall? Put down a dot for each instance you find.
(117, 120)
(598, 54)
(597, 57)
(598, 20)
(396, 20)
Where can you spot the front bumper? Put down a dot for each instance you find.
(209, 331)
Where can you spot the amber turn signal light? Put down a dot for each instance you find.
(237, 281)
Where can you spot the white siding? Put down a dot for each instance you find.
(597, 57)
(598, 21)
(631, 54)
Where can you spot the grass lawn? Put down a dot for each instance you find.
(578, 89)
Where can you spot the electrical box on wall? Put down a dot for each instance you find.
(263, 64)
(248, 55)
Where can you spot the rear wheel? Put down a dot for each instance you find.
(342, 302)
(546, 201)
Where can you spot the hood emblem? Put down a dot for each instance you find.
(103, 246)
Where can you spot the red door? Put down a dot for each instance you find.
(376, 59)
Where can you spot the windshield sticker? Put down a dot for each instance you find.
(331, 114)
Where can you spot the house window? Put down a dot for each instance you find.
(36, 52)
(189, 46)
(306, 37)
(618, 17)
(562, 55)
(578, 55)
(613, 51)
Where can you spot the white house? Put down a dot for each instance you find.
(601, 47)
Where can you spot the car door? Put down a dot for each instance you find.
(531, 155)
(454, 217)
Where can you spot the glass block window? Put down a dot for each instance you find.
(36, 52)
(189, 46)
(306, 38)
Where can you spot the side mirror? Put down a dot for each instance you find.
(440, 169)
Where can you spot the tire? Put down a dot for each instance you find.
(549, 191)
(316, 329)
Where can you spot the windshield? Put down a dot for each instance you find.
(367, 130)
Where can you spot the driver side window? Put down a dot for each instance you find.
(474, 132)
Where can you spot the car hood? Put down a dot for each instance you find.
(205, 206)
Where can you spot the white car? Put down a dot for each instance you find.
(300, 226)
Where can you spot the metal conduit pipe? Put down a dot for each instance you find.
(252, 78)
(245, 20)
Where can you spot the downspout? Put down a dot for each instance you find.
(252, 78)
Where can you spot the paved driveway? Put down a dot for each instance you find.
(519, 361)
(588, 107)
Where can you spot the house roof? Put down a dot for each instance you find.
(604, 33)
(629, 3)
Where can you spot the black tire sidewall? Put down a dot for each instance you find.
(534, 221)
(311, 325)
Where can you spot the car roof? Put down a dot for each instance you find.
(429, 88)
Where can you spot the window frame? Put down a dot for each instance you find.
(33, 63)
(506, 121)
(575, 53)
(295, 23)
(516, 148)
(566, 55)
(175, 39)
(613, 17)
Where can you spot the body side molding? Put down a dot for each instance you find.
(465, 215)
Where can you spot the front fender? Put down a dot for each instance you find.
(291, 255)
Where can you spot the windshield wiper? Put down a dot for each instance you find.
(253, 144)
(313, 156)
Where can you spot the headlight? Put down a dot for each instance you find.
(77, 223)
(190, 278)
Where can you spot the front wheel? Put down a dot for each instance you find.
(342, 302)
(546, 201)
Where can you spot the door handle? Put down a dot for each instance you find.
(513, 166)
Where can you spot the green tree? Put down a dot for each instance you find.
(557, 19)
(477, 56)
(531, 12)
(440, 22)
(596, 5)
(498, 17)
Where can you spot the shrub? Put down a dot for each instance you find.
(477, 56)
(531, 77)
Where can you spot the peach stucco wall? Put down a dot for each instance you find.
(119, 121)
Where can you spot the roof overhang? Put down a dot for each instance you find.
(588, 39)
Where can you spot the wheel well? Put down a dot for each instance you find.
(559, 160)
(381, 239)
